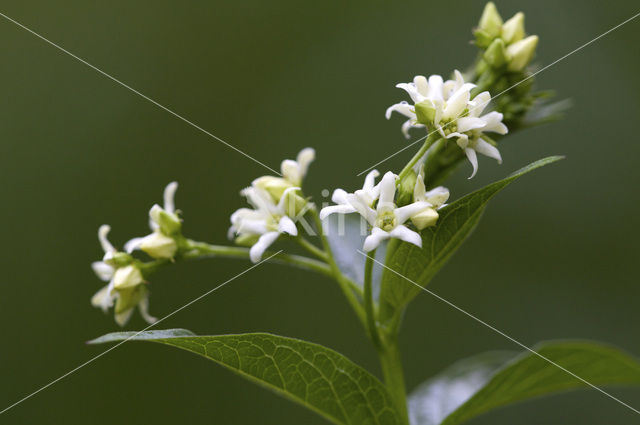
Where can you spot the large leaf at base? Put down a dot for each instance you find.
(419, 265)
(314, 376)
(479, 384)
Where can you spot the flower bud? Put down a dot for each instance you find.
(274, 185)
(405, 188)
(127, 277)
(426, 218)
(169, 223)
(157, 245)
(294, 204)
(425, 112)
(496, 54)
(513, 29)
(246, 239)
(521, 52)
(118, 259)
(490, 21)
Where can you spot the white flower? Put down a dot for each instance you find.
(165, 224)
(293, 172)
(446, 106)
(436, 197)
(369, 194)
(266, 221)
(126, 283)
(387, 220)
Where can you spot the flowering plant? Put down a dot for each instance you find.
(382, 244)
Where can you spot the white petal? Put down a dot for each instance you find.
(421, 84)
(404, 233)
(387, 191)
(103, 270)
(488, 149)
(411, 89)
(479, 103)
(419, 189)
(127, 277)
(362, 208)
(254, 227)
(405, 213)
(494, 123)
(470, 123)
(133, 244)
(103, 231)
(473, 159)
(265, 241)
(286, 225)
(291, 171)
(437, 196)
(143, 306)
(339, 196)
(373, 240)
(456, 104)
(102, 299)
(370, 181)
(402, 108)
(304, 158)
(408, 125)
(281, 207)
(336, 209)
(435, 88)
(169, 195)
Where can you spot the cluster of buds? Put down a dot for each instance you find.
(127, 287)
(505, 44)
(276, 202)
(377, 204)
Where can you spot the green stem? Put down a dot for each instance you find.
(349, 288)
(431, 139)
(311, 248)
(369, 308)
(204, 250)
(391, 363)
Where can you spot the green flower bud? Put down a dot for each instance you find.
(513, 29)
(246, 239)
(490, 21)
(119, 259)
(521, 52)
(129, 298)
(294, 204)
(425, 219)
(157, 245)
(127, 277)
(496, 54)
(405, 188)
(169, 223)
(425, 112)
(275, 186)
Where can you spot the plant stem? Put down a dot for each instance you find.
(349, 289)
(431, 139)
(311, 248)
(391, 363)
(369, 308)
(204, 250)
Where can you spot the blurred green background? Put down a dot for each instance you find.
(556, 254)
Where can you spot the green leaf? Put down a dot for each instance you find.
(477, 385)
(312, 375)
(439, 242)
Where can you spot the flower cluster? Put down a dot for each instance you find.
(447, 107)
(376, 204)
(127, 287)
(126, 283)
(276, 201)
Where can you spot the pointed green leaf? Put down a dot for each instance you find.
(439, 242)
(479, 384)
(314, 376)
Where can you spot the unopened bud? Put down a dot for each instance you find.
(425, 219)
(521, 52)
(169, 223)
(496, 54)
(275, 186)
(425, 112)
(490, 21)
(127, 277)
(157, 245)
(513, 29)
